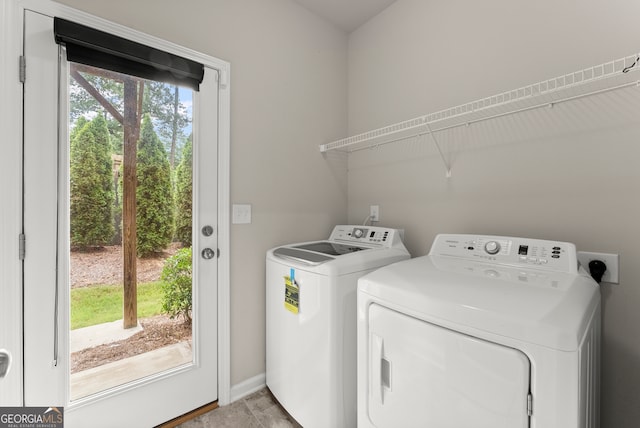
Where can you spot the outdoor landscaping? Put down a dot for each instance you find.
(130, 176)
(103, 303)
(93, 304)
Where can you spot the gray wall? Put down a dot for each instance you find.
(567, 173)
(288, 95)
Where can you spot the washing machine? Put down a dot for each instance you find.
(311, 320)
(484, 332)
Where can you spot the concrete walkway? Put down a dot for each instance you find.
(119, 372)
(99, 334)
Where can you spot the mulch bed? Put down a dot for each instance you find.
(104, 266)
(159, 331)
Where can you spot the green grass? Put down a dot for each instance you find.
(103, 303)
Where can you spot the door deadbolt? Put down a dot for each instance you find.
(207, 230)
(208, 254)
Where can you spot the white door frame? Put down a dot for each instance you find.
(11, 390)
(11, 15)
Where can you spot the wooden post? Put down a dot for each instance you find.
(130, 309)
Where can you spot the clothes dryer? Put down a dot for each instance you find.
(311, 320)
(484, 332)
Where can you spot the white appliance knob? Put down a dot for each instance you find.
(358, 233)
(492, 247)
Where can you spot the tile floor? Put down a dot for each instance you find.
(258, 410)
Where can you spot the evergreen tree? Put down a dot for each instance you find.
(154, 205)
(77, 127)
(98, 127)
(184, 195)
(82, 102)
(104, 150)
(162, 101)
(91, 186)
(159, 99)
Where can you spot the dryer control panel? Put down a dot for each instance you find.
(549, 255)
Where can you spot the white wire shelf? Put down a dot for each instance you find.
(594, 80)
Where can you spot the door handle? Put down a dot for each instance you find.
(5, 362)
(208, 253)
(376, 387)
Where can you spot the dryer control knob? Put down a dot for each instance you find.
(492, 247)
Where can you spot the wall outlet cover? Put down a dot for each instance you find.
(611, 275)
(374, 212)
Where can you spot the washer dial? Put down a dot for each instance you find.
(492, 247)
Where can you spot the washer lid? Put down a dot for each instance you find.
(330, 248)
(552, 309)
(299, 255)
(315, 253)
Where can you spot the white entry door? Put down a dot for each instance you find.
(145, 398)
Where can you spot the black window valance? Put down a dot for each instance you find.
(96, 48)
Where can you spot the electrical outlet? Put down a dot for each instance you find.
(374, 212)
(610, 260)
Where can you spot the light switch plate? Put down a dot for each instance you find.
(241, 214)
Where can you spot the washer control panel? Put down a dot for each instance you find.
(373, 235)
(551, 255)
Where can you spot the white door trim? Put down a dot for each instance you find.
(11, 14)
(10, 208)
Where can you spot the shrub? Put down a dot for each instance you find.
(184, 195)
(77, 127)
(91, 185)
(154, 199)
(176, 286)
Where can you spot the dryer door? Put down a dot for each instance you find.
(422, 375)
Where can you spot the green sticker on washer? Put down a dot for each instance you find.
(291, 295)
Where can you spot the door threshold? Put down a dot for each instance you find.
(188, 416)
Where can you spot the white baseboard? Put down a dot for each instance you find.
(249, 386)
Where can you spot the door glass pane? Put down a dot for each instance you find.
(130, 170)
